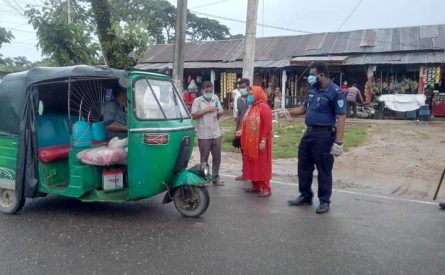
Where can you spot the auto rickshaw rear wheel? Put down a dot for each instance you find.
(191, 201)
(10, 201)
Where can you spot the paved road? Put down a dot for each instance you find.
(239, 234)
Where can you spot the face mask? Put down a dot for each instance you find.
(208, 96)
(250, 99)
(243, 92)
(313, 81)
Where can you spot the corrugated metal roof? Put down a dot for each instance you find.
(397, 58)
(216, 65)
(409, 39)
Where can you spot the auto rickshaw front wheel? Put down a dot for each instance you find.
(191, 201)
(10, 201)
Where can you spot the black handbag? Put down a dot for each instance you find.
(236, 142)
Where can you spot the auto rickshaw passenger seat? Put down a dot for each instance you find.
(53, 137)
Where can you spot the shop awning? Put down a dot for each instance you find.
(306, 60)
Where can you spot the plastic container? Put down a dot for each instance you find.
(98, 131)
(81, 134)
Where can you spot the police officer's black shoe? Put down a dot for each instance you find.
(442, 205)
(322, 208)
(300, 201)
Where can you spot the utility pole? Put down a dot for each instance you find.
(69, 11)
(249, 40)
(178, 62)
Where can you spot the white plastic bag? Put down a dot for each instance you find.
(118, 143)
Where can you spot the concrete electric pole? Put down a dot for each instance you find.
(69, 11)
(178, 61)
(249, 40)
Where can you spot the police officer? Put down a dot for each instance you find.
(325, 110)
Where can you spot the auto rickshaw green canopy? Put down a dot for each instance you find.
(15, 89)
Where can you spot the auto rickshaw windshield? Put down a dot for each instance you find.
(158, 100)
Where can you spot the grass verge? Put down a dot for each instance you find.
(287, 135)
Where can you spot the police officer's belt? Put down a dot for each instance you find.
(319, 128)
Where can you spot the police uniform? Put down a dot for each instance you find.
(322, 107)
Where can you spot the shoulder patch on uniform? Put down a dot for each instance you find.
(340, 103)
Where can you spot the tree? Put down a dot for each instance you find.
(124, 28)
(159, 19)
(5, 36)
(200, 28)
(67, 43)
(119, 39)
(155, 16)
(237, 36)
(16, 64)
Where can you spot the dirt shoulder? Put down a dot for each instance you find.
(400, 158)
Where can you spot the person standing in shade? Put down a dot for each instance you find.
(242, 106)
(325, 110)
(351, 98)
(256, 141)
(277, 99)
(235, 95)
(206, 111)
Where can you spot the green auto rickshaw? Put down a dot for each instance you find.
(41, 111)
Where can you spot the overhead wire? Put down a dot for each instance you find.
(244, 21)
(209, 4)
(350, 14)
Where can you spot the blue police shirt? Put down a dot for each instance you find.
(322, 106)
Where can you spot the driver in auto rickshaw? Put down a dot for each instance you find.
(114, 115)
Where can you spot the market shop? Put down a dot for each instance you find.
(395, 60)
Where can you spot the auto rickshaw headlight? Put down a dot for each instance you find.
(205, 170)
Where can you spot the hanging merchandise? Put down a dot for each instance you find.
(425, 78)
(228, 81)
(430, 76)
(438, 74)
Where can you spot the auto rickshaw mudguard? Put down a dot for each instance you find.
(185, 177)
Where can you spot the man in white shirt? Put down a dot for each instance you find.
(206, 111)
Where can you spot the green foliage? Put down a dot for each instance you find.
(155, 16)
(129, 39)
(119, 38)
(5, 36)
(124, 28)
(15, 64)
(199, 28)
(67, 43)
(237, 36)
(159, 19)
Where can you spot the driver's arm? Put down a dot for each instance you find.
(109, 113)
(117, 127)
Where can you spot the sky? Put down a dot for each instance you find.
(292, 15)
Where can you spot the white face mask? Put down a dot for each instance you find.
(312, 79)
(243, 91)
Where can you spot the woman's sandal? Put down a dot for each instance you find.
(252, 190)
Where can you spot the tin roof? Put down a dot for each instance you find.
(362, 44)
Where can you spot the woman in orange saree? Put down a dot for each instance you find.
(256, 142)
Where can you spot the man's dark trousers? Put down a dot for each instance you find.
(315, 149)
